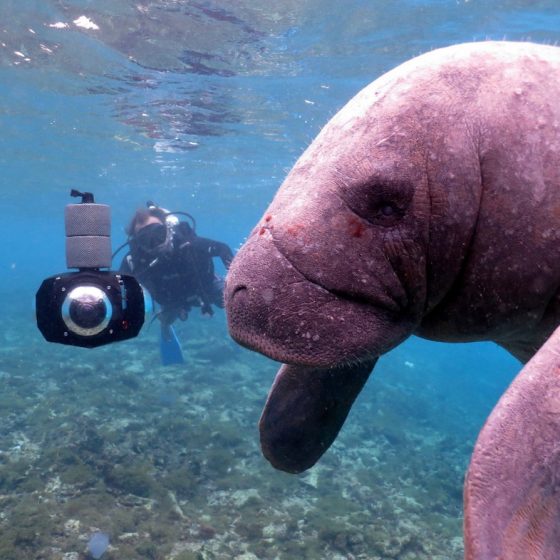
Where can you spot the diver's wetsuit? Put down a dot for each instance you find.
(182, 276)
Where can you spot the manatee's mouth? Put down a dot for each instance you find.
(283, 313)
(305, 348)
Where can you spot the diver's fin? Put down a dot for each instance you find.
(169, 347)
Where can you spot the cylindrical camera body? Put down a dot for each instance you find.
(90, 308)
(88, 235)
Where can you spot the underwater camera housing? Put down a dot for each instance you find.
(90, 307)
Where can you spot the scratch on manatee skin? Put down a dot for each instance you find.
(294, 229)
(355, 226)
(267, 225)
(383, 140)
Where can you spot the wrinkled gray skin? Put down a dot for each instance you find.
(430, 204)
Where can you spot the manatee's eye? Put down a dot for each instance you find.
(380, 201)
(387, 210)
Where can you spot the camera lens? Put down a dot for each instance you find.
(86, 310)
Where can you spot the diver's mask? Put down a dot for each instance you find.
(154, 240)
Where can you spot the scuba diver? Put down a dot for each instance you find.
(175, 265)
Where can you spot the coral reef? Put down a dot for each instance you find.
(166, 459)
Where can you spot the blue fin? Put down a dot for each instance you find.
(169, 347)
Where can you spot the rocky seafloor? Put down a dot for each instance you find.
(166, 461)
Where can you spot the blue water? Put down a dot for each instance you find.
(204, 107)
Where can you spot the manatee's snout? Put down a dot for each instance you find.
(248, 311)
(275, 309)
(260, 309)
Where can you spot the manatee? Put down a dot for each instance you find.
(429, 205)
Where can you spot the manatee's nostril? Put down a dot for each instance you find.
(237, 295)
(237, 289)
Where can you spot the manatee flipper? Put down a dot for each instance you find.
(305, 410)
(512, 489)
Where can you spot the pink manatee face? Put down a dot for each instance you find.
(369, 231)
(335, 272)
